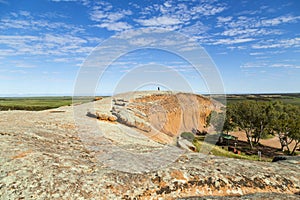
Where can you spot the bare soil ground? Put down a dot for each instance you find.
(269, 148)
(272, 142)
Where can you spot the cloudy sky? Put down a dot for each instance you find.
(255, 45)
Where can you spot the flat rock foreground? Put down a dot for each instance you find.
(124, 147)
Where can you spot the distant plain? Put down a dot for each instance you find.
(44, 103)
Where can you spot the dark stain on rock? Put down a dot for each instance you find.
(165, 190)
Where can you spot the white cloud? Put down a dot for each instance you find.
(52, 15)
(285, 65)
(250, 32)
(152, 37)
(18, 71)
(24, 20)
(224, 19)
(49, 44)
(108, 16)
(115, 26)
(109, 19)
(159, 21)
(18, 24)
(173, 15)
(207, 9)
(254, 65)
(140, 41)
(269, 65)
(249, 12)
(279, 20)
(245, 27)
(168, 4)
(287, 43)
(196, 29)
(11, 40)
(63, 60)
(232, 41)
(67, 59)
(256, 53)
(222, 53)
(246, 22)
(63, 39)
(266, 53)
(24, 13)
(83, 2)
(94, 40)
(24, 65)
(6, 52)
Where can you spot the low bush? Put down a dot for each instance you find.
(188, 136)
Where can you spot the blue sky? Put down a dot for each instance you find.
(255, 45)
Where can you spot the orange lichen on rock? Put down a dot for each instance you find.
(21, 154)
(178, 175)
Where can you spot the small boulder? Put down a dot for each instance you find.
(286, 158)
(112, 118)
(106, 117)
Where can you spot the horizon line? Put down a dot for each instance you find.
(110, 94)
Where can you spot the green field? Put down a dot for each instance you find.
(33, 103)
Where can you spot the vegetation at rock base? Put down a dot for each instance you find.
(285, 123)
(252, 117)
(188, 136)
(259, 119)
(219, 151)
(220, 121)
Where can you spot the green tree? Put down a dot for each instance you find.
(295, 131)
(280, 122)
(257, 119)
(251, 117)
(285, 122)
(261, 120)
(221, 121)
(242, 115)
(216, 119)
(228, 123)
(294, 126)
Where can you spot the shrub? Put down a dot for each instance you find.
(188, 136)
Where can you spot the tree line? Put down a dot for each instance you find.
(258, 119)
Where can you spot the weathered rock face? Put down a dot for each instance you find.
(44, 156)
(129, 118)
(163, 115)
(175, 113)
